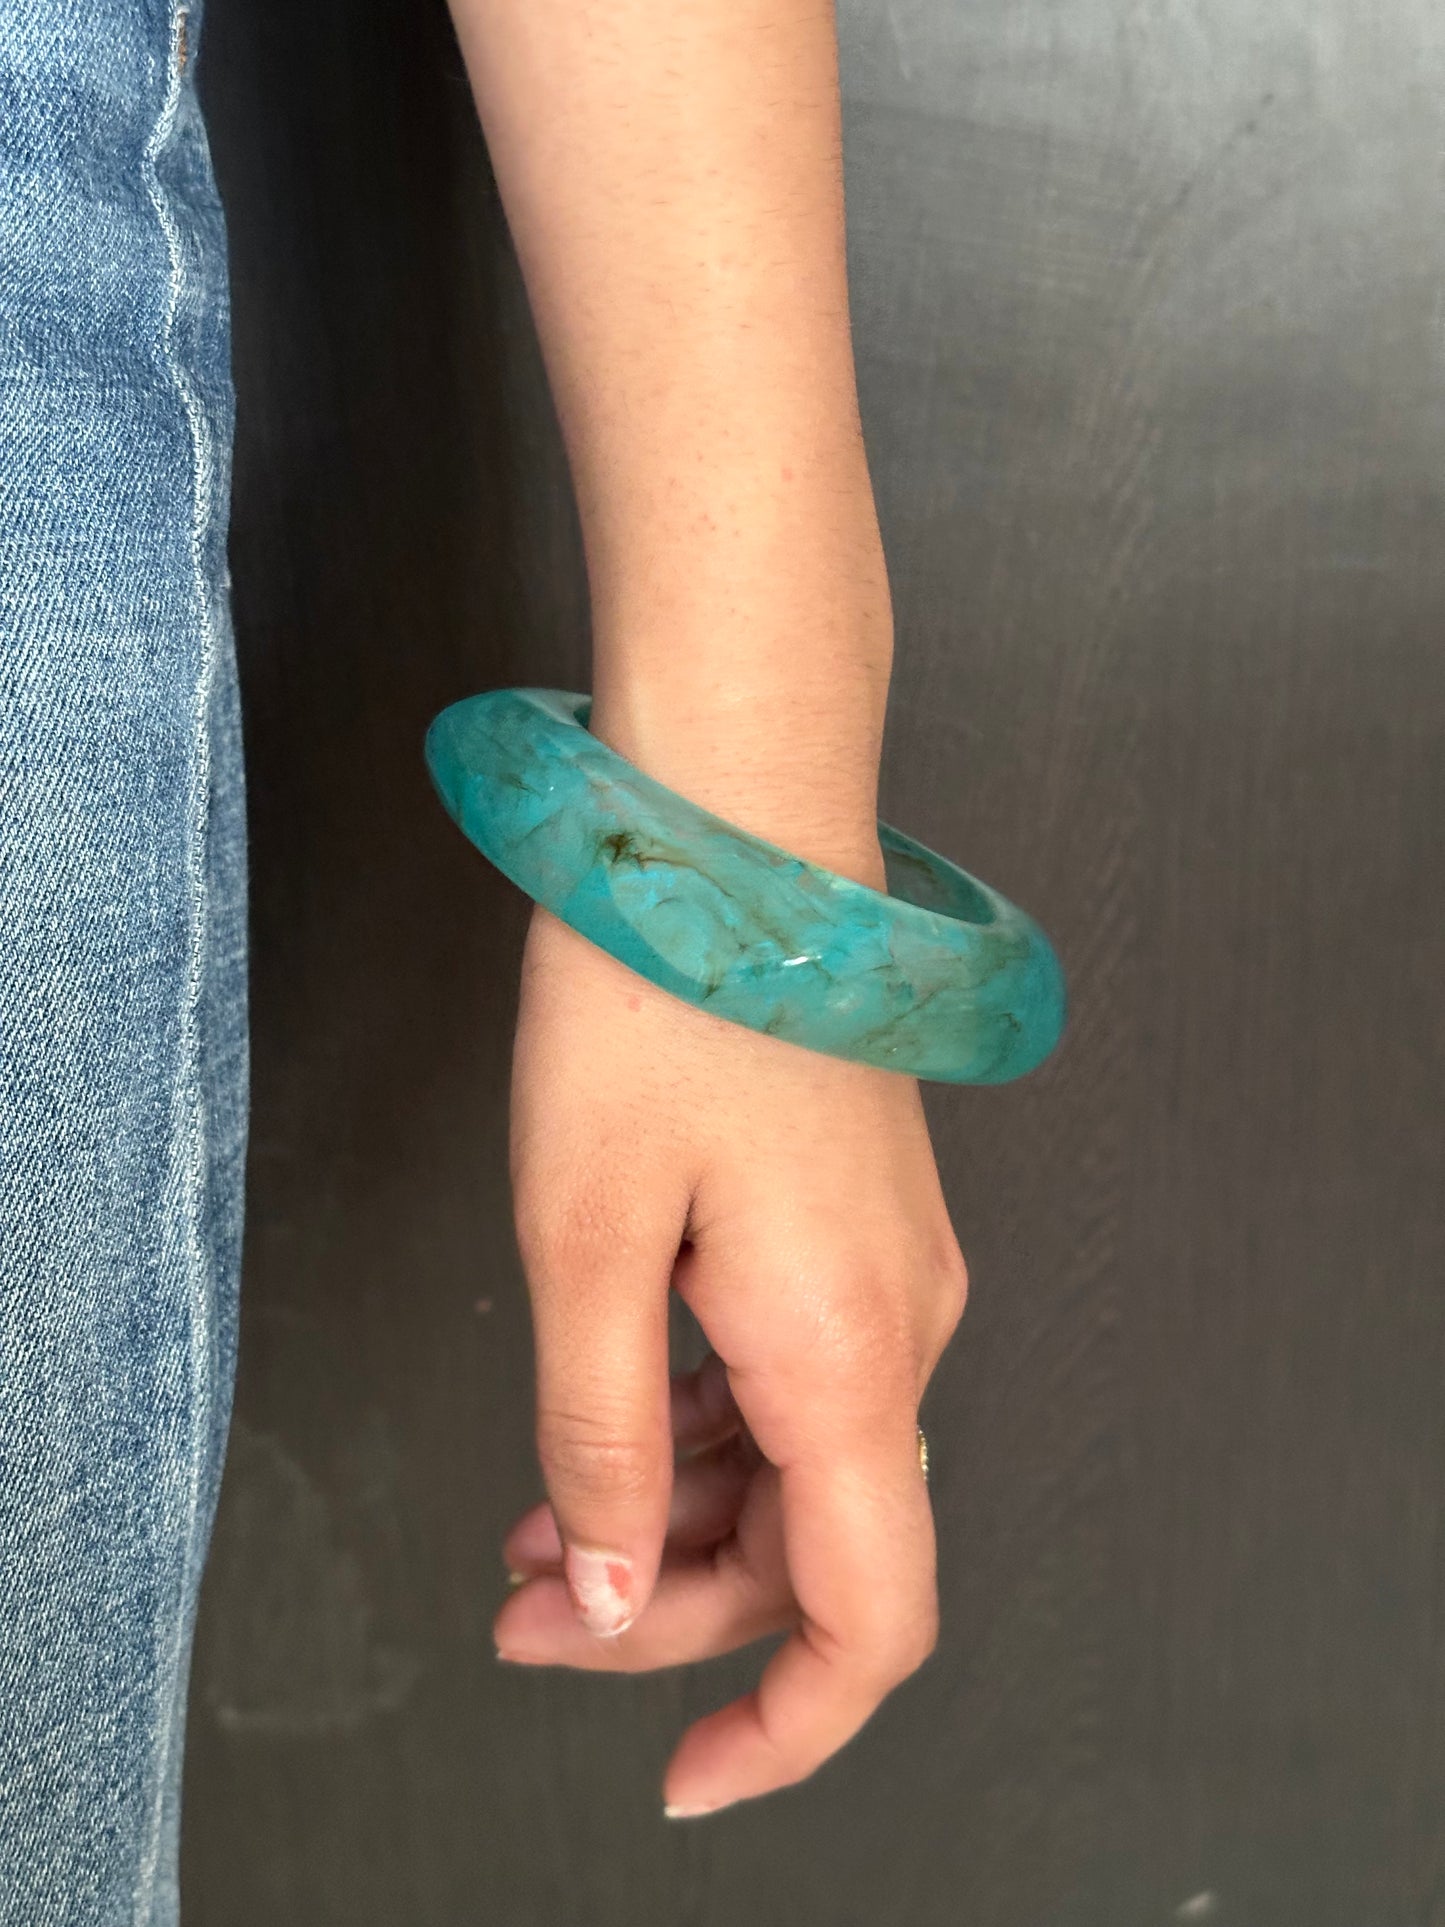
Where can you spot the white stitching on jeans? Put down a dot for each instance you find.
(186, 1185)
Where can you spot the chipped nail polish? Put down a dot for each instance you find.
(601, 1584)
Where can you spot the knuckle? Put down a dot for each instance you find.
(918, 1642)
(791, 1764)
(856, 1334)
(554, 1225)
(952, 1276)
(880, 1657)
(570, 1233)
(857, 1325)
(898, 1641)
(591, 1458)
(871, 1364)
(950, 1297)
(902, 1648)
(940, 1294)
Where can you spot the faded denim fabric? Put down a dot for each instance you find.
(122, 932)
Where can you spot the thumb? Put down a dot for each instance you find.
(604, 1435)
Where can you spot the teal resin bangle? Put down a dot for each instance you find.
(942, 979)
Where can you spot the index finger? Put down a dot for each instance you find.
(858, 1529)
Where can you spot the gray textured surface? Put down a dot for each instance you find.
(1149, 306)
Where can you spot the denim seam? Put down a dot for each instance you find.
(187, 1184)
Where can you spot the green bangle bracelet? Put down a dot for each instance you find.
(942, 979)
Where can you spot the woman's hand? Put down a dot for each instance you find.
(793, 1201)
(673, 180)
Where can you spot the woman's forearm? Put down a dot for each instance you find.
(671, 175)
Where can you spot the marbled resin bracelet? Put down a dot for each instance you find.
(943, 979)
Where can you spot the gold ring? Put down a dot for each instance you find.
(923, 1455)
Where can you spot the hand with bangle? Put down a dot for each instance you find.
(734, 975)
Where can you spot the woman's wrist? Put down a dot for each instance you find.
(760, 693)
(795, 762)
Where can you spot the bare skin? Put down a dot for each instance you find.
(670, 171)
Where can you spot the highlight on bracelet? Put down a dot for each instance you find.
(940, 977)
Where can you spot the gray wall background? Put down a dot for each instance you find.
(1149, 308)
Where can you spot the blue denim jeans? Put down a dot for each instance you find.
(122, 943)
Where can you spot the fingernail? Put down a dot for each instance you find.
(517, 1578)
(687, 1813)
(601, 1587)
